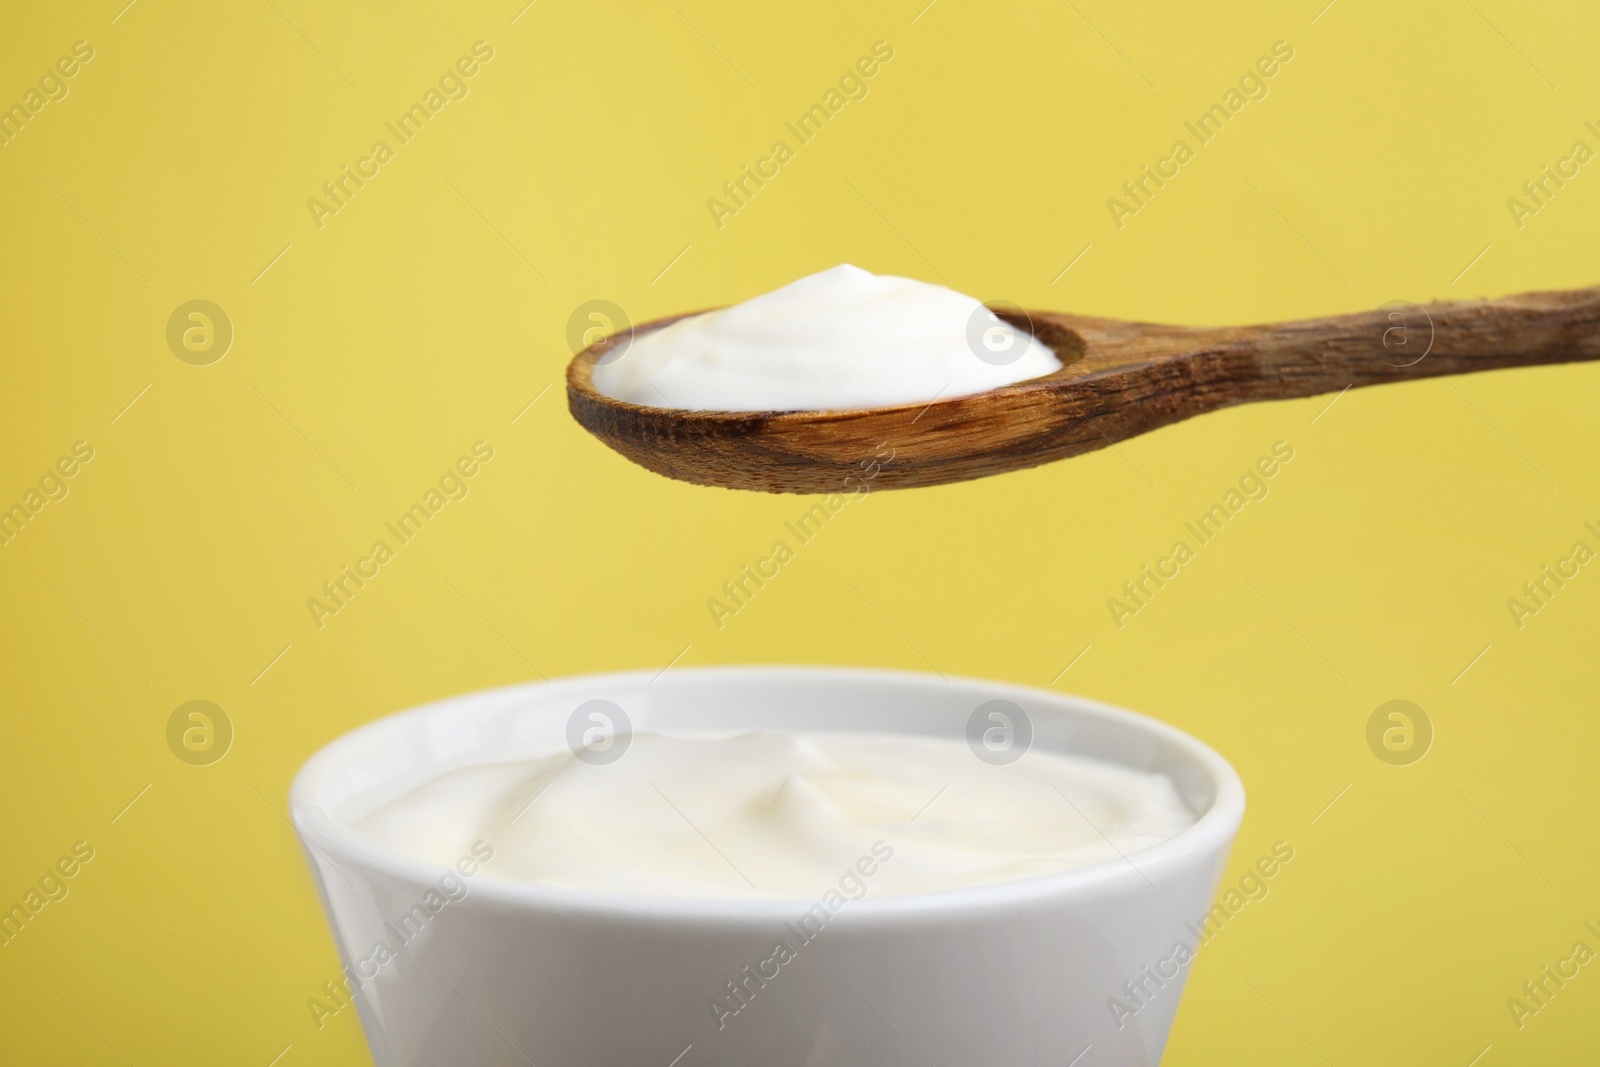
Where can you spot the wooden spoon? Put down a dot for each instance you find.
(1119, 379)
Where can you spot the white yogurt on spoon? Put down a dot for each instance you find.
(779, 815)
(842, 339)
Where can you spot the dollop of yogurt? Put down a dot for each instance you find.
(838, 340)
(780, 815)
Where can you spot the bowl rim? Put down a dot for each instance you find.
(1204, 843)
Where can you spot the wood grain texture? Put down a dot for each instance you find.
(1120, 379)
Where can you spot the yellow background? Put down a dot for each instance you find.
(378, 348)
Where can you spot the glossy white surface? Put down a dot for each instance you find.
(458, 967)
(837, 340)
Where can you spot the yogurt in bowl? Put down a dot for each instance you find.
(771, 814)
(781, 865)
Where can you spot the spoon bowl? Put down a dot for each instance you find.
(1118, 379)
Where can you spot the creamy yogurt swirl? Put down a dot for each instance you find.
(779, 815)
(838, 340)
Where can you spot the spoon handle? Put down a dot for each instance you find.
(1402, 340)
(1130, 378)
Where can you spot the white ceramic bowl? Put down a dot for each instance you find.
(1015, 973)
